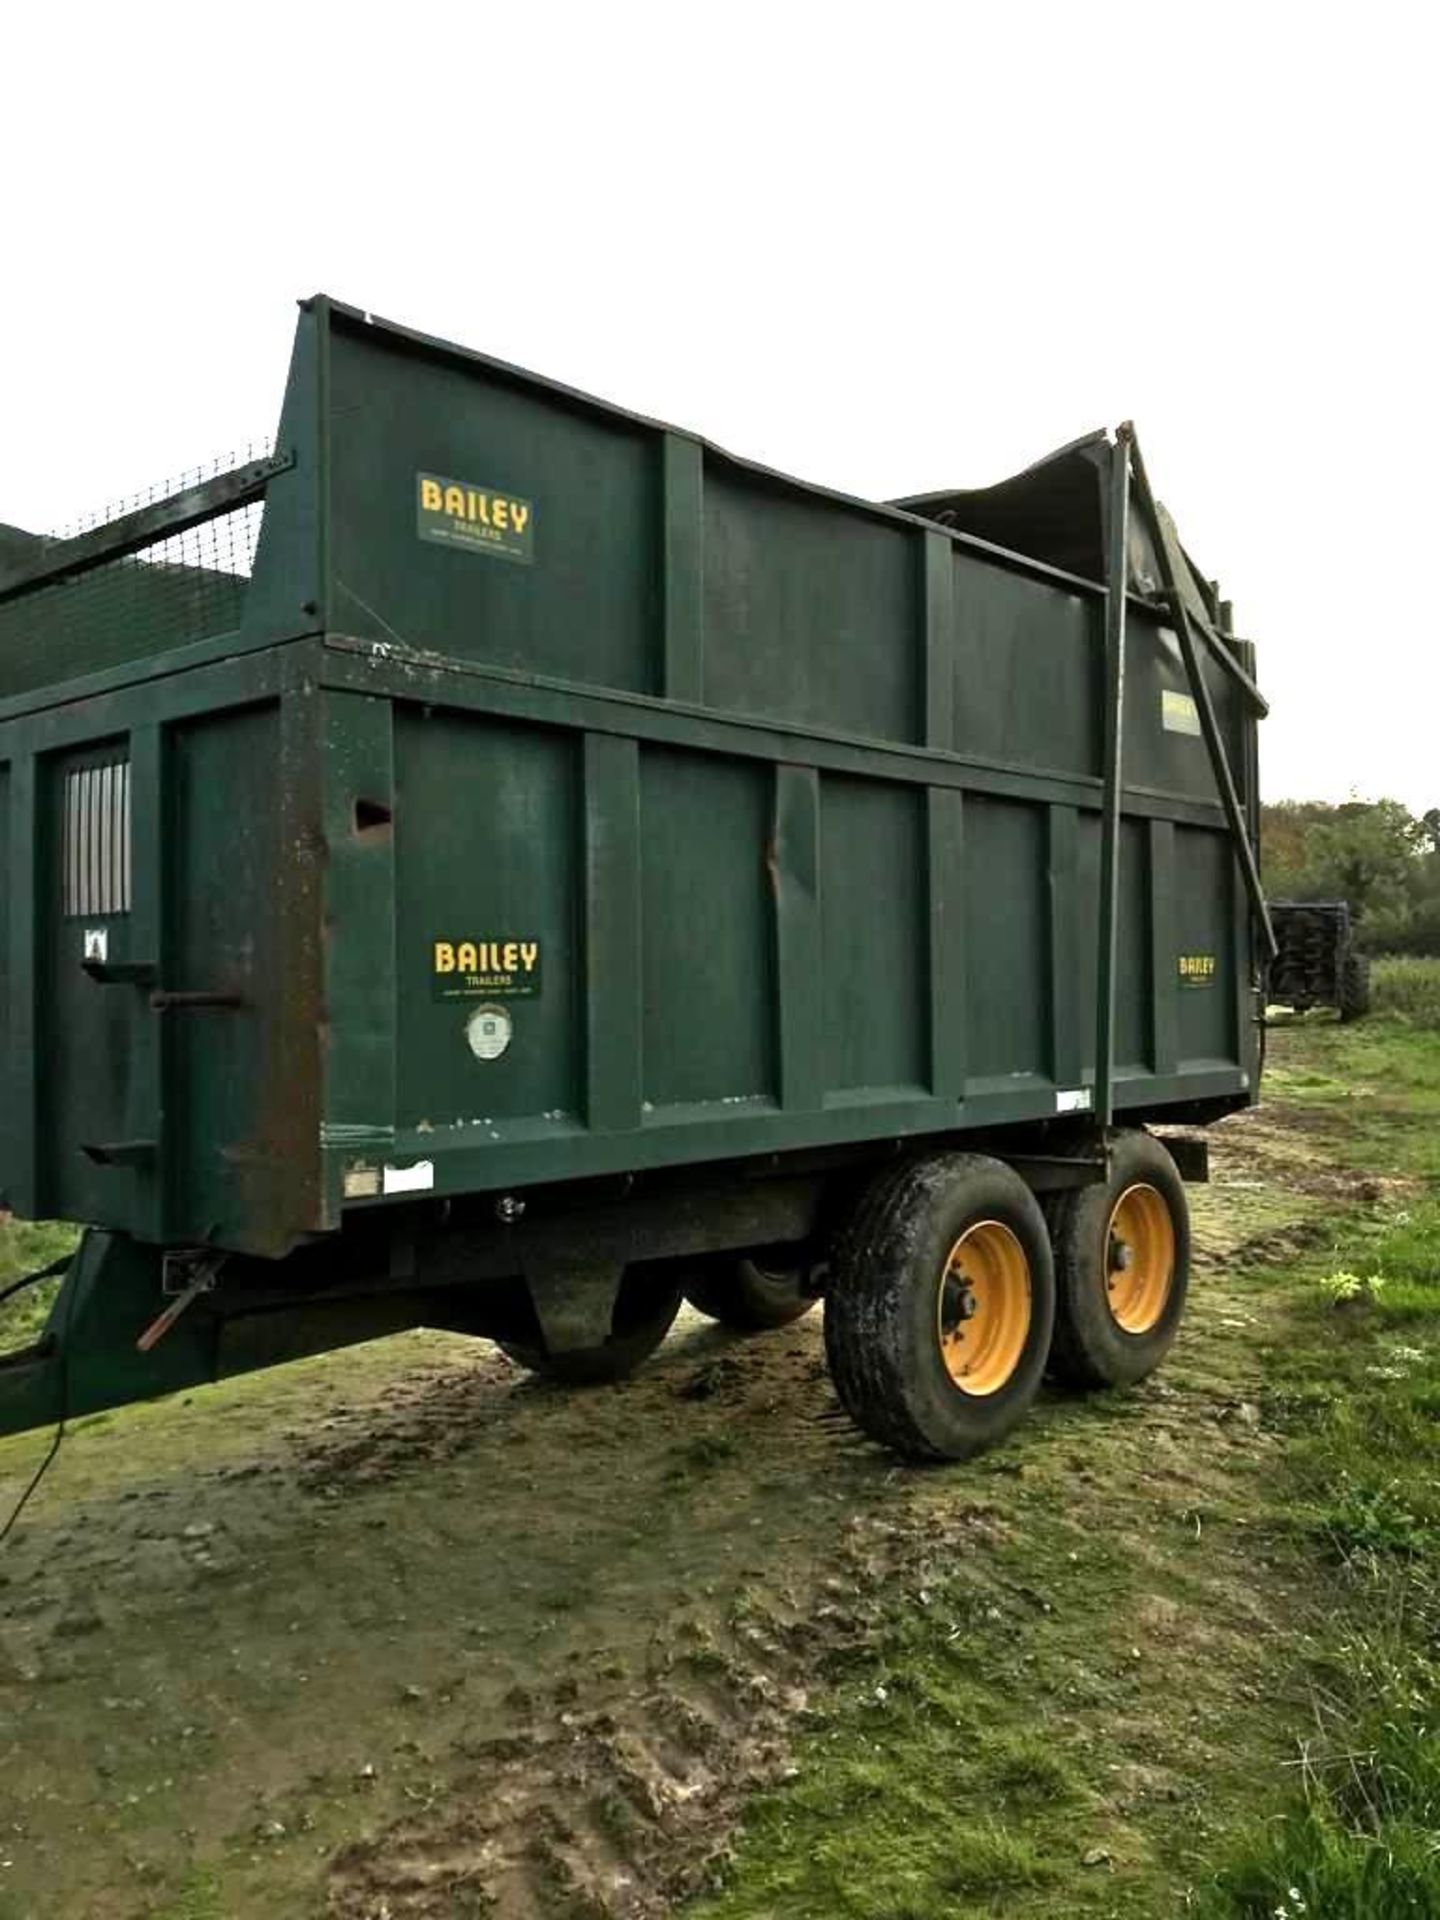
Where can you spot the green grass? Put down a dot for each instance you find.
(946, 1777)
(200, 1898)
(1356, 1386)
(1360, 1842)
(1407, 988)
(25, 1247)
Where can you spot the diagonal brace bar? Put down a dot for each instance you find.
(1221, 655)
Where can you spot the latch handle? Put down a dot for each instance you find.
(120, 973)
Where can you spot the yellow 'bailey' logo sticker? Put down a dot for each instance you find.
(461, 513)
(1197, 969)
(462, 969)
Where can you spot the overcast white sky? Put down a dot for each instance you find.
(888, 248)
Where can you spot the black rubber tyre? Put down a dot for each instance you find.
(1355, 987)
(750, 1298)
(1120, 1295)
(896, 1319)
(644, 1313)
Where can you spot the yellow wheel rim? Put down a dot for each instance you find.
(1139, 1258)
(982, 1309)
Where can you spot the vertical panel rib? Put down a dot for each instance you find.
(142, 874)
(613, 984)
(794, 863)
(1163, 1011)
(82, 840)
(1241, 946)
(939, 622)
(1063, 875)
(108, 811)
(20, 1121)
(70, 827)
(682, 488)
(127, 836)
(945, 827)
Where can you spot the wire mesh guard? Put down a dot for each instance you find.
(188, 586)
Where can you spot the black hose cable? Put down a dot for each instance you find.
(30, 1280)
(34, 1279)
(35, 1479)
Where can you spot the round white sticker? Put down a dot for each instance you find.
(488, 1030)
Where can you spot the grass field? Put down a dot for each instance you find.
(1408, 989)
(395, 1635)
(25, 1248)
(1340, 1816)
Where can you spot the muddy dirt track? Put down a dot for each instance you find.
(403, 1633)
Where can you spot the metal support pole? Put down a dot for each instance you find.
(1117, 568)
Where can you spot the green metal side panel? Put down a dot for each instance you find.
(1007, 980)
(706, 962)
(1164, 749)
(179, 1121)
(828, 581)
(222, 1064)
(874, 939)
(739, 953)
(19, 1067)
(585, 603)
(1026, 662)
(488, 823)
(87, 1030)
(1206, 907)
(1135, 984)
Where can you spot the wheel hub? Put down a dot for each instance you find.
(959, 1304)
(1140, 1260)
(983, 1308)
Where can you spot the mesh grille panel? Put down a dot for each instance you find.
(190, 586)
(96, 829)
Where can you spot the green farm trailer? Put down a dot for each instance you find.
(492, 862)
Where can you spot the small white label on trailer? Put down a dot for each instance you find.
(488, 1030)
(1072, 1099)
(417, 1179)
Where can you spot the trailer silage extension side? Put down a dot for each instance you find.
(1317, 962)
(571, 865)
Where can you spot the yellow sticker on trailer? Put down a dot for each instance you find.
(477, 518)
(464, 969)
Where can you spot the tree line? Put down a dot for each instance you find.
(1376, 854)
